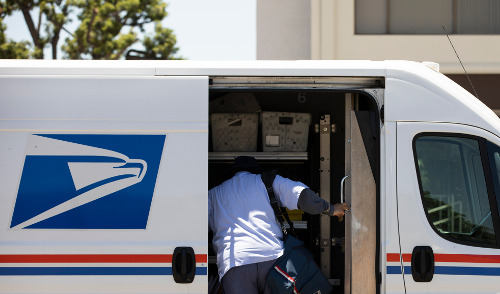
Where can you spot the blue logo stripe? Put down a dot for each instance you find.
(88, 271)
(451, 270)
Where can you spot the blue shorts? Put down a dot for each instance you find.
(248, 279)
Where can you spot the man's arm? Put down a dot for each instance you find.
(311, 203)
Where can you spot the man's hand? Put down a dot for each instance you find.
(339, 210)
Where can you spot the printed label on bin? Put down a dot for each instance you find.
(272, 141)
(87, 181)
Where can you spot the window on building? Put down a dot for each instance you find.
(427, 16)
(454, 191)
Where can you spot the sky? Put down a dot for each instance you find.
(205, 30)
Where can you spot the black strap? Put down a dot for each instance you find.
(280, 212)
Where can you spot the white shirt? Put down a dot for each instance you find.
(242, 219)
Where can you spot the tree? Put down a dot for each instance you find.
(8, 48)
(100, 35)
(52, 16)
(105, 29)
(162, 44)
(56, 13)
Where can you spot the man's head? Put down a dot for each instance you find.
(244, 163)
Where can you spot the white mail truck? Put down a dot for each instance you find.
(105, 167)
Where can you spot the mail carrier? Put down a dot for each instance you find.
(105, 168)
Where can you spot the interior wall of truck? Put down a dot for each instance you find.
(305, 165)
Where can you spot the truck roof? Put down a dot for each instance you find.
(413, 91)
(191, 67)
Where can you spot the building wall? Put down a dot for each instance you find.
(283, 29)
(487, 88)
(478, 52)
(283, 33)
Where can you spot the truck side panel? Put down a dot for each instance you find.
(97, 175)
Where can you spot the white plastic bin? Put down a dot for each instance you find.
(234, 131)
(285, 131)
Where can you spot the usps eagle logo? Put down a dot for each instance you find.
(83, 181)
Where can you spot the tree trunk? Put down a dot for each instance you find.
(35, 34)
(54, 42)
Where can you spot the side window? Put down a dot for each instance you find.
(453, 186)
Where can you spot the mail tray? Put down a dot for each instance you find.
(234, 131)
(285, 131)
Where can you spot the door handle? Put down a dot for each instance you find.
(422, 264)
(183, 265)
(342, 188)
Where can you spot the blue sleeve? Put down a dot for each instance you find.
(311, 203)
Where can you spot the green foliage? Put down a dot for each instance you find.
(105, 29)
(8, 48)
(162, 44)
(103, 32)
(51, 16)
(57, 15)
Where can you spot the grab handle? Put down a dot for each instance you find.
(342, 188)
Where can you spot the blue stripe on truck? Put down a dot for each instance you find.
(451, 270)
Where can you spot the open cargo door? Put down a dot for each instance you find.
(360, 190)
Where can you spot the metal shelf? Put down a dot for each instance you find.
(296, 224)
(259, 155)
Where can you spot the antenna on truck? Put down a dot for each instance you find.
(477, 96)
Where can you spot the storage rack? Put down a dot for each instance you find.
(259, 155)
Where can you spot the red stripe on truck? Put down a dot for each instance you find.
(439, 257)
(93, 258)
